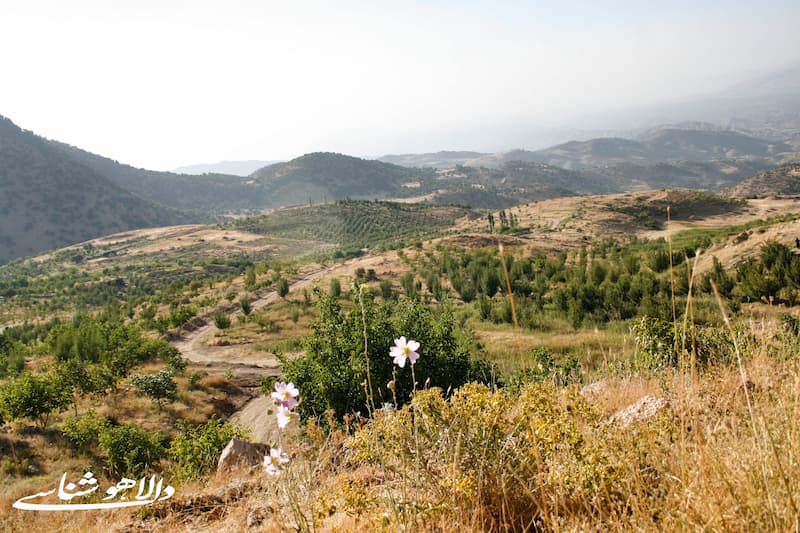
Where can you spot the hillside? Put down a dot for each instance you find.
(702, 175)
(208, 193)
(657, 145)
(779, 181)
(319, 176)
(49, 200)
(355, 223)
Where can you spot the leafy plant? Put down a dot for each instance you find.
(34, 397)
(130, 450)
(196, 448)
(157, 387)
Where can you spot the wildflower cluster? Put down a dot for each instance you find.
(285, 397)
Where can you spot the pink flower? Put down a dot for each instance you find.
(286, 395)
(403, 350)
(285, 416)
(274, 462)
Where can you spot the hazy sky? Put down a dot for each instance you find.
(165, 83)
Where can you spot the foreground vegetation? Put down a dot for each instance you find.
(495, 427)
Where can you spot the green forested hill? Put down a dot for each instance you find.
(48, 200)
(207, 193)
(356, 223)
(319, 176)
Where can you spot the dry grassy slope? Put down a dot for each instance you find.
(779, 181)
(568, 223)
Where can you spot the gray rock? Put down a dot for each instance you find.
(241, 454)
(644, 408)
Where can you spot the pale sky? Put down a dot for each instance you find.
(163, 83)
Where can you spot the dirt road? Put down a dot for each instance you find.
(247, 365)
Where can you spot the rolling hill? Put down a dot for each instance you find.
(783, 180)
(355, 223)
(320, 176)
(49, 200)
(208, 193)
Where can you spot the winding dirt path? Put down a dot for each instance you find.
(249, 367)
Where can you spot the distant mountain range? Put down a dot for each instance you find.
(49, 200)
(234, 168)
(53, 194)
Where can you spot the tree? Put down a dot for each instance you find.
(282, 287)
(246, 305)
(336, 288)
(333, 370)
(250, 278)
(34, 397)
(157, 387)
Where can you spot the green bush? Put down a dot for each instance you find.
(157, 387)
(131, 450)
(282, 287)
(655, 343)
(246, 305)
(333, 372)
(222, 320)
(196, 448)
(84, 431)
(34, 397)
(12, 356)
(542, 366)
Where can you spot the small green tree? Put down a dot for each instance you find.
(222, 320)
(336, 288)
(246, 305)
(197, 448)
(34, 397)
(158, 386)
(333, 372)
(130, 450)
(282, 287)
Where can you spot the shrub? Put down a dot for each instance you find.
(541, 366)
(157, 387)
(12, 356)
(654, 343)
(131, 450)
(515, 457)
(282, 287)
(246, 305)
(197, 448)
(336, 288)
(222, 320)
(84, 431)
(34, 397)
(333, 372)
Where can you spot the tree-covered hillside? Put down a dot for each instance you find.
(48, 200)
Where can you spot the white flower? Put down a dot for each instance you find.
(285, 415)
(274, 462)
(286, 394)
(403, 350)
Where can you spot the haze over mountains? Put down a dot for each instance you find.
(235, 168)
(53, 194)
